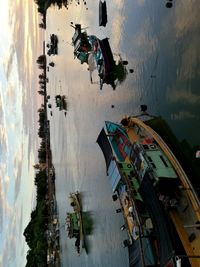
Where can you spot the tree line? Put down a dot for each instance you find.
(44, 4)
(35, 232)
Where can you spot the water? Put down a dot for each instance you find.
(161, 45)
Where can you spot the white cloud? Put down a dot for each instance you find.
(183, 96)
(182, 115)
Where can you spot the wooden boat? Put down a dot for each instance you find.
(141, 166)
(74, 222)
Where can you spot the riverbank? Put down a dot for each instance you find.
(53, 250)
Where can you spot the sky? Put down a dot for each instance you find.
(19, 48)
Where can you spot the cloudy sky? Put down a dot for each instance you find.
(19, 48)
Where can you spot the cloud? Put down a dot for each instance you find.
(182, 115)
(18, 172)
(190, 60)
(183, 96)
(119, 4)
(187, 17)
(6, 183)
(141, 2)
(145, 43)
(1, 205)
(10, 248)
(18, 177)
(117, 26)
(8, 62)
(11, 94)
(20, 222)
(3, 139)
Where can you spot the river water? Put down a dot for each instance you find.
(162, 46)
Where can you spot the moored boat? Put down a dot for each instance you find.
(154, 191)
(74, 222)
(102, 13)
(61, 102)
(96, 53)
(53, 45)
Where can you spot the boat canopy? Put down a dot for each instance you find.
(119, 140)
(113, 175)
(105, 146)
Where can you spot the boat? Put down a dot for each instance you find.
(160, 206)
(53, 45)
(74, 222)
(61, 102)
(102, 13)
(96, 54)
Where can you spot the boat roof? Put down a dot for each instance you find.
(105, 146)
(117, 135)
(114, 175)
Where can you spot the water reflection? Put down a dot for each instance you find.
(161, 46)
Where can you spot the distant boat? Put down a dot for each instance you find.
(74, 222)
(52, 64)
(53, 46)
(61, 102)
(102, 13)
(160, 206)
(96, 53)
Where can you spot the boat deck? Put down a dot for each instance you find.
(187, 213)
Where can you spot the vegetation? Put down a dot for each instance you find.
(44, 4)
(35, 232)
(120, 72)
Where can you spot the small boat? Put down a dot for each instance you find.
(96, 54)
(102, 13)
(53, 46)
(52, 64)
(61, 102)
(74, 222)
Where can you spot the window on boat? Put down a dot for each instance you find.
(153, 165)
(163, 160)
(150, 159)
(145, 147)
(127, 149)
(120, 165)
(120, 140)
